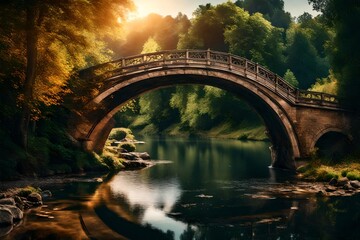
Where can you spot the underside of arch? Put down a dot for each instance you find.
(332, 143)
(280, 130)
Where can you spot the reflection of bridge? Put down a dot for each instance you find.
(295, 119)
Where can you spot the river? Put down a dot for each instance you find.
(198, 189)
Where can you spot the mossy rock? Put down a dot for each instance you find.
(129, 147)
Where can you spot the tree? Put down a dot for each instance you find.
(304, 18)
(57, 38)
(150, 46)
(208, 27)
(273, 11)
(344, 17)
(138, 31)
(290, 78)
(303, 59)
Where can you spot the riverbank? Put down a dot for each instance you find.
(324, 171)
(339, 179)
(245, 131)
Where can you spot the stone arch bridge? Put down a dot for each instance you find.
(295, 119)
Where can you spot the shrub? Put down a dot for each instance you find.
(353, 176)
(112, 163)
(121, 133)
(26, 191)
(130, 147)
(118, 135)
(326, 176)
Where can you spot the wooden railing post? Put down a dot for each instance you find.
(208, 57)
(164, 55)
(187, 56)
(230, 61)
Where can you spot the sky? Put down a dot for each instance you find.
(173, 7)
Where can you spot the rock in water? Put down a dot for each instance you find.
(7, 201)
(16, 213)
(6, 217)
(333, 182)
(342, 181)
(355, 184)
(348, 186)
(46, 194)
(144, 156)
(35, 199)
(6, 230)
(330, 189)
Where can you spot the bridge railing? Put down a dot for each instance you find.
(221, 60)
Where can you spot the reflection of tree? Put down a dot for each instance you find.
(195, 162)
(188, 234)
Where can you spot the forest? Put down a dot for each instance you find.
(44, 44)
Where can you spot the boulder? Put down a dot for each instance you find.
(35, 199)
(134, 165)
(348, 186)
(333, 182)
(6, 217)
(342, 181)
(144, 156)
(7, 201)
(46, 194)
(19, 202)
(355, 184)
(129, 156)
(5, 230)
(16, 213)
(330, 189)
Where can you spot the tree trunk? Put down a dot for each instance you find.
(32, 12)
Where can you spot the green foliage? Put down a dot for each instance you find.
(155, 108)
(129, 147)
(150, 46)
(303, 59)
(344, 16)
(326, 176)
(118, 135)
(165, 34)
(272, 10)
(26, 191)
(353, 175)
(290, 78)
(327, 85)
(114, 164)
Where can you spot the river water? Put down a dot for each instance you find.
(198, 189)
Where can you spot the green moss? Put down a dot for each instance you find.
(324, 170)
(130, 147)
(353, 175)
(26, 191)
(113, 164)
(121, 133)
(326, 176)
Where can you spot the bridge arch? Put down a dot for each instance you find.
(271, 96)
(332, 143)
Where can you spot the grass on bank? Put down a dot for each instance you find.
(324, 171)
(246, 130)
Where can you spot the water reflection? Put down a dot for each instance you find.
(155, 198)
(212, 189)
